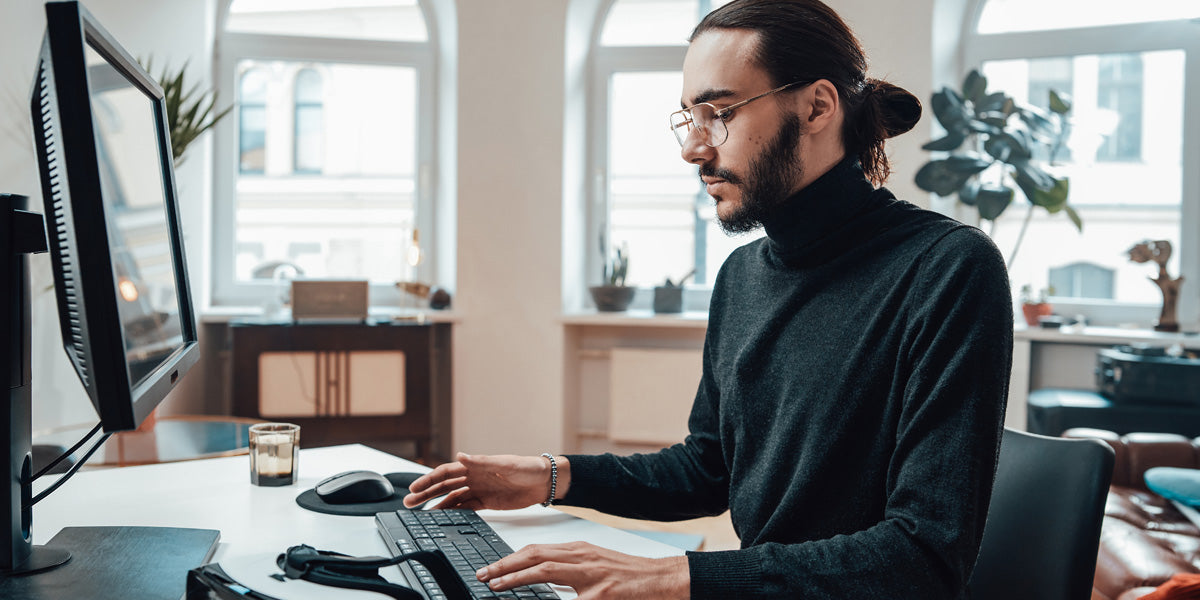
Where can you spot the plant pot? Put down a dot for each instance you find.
(668, 299)
(612, 298)
(1034, 310)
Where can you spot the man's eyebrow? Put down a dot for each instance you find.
(710, 95)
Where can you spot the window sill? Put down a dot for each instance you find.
(1105, 336)
(638, 318)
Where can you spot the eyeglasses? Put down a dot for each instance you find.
(709, 121)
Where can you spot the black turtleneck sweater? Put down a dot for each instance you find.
(856, 368)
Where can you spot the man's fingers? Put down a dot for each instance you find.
(547, 572)
(526, 558)
(438, 475)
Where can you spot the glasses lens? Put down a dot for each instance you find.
(712, 126)
(681, 124)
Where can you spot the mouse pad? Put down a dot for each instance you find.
(309, 499)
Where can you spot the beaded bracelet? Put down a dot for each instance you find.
(553, 478)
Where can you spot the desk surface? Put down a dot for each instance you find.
(256, 523)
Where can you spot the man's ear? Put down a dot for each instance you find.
(820, 105)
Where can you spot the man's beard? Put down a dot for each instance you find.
(772, 177)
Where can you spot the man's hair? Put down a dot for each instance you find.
(805, 40)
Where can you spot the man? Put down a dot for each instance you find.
(856, 359)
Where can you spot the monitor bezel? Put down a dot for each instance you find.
(99, 355)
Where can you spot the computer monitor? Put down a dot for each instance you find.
(108, 185)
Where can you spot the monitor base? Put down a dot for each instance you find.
(40, 559)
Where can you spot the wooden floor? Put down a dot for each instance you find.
(717, 531)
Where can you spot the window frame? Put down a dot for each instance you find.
(1182, 35)
(232, 47)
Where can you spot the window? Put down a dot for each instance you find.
(252, 121)
(309, 151)
(335, 105)
(649, 200)
(1129, 71)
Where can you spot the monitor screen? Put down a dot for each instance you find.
(131, 180)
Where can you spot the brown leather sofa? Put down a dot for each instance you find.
(1145, 539)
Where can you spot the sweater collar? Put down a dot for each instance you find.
(802, 228)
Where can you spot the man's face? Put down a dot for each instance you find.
(759, 165)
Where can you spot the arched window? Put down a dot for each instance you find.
(308, 151)
(252, 121)
(1130, 70)
(650, 200)
(344, 97)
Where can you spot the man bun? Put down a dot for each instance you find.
(879, 112)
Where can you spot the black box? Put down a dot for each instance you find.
(1149, 375)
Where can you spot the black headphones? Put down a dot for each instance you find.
(362, 573)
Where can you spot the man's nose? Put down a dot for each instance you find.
(694, 149)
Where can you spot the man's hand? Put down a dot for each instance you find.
(499, 482)
(593, 572)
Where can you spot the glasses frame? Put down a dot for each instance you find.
(719, 114)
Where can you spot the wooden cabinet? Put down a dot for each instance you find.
(371, 383)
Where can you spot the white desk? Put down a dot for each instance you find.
(256, 523)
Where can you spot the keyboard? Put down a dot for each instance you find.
(467, 541)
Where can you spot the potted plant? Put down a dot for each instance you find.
(613, 295)
(1034, 307)
(993, 142)
(668, 298)
(189, 111)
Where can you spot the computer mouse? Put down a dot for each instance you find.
(353, 487)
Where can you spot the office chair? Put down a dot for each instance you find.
(1043, 524)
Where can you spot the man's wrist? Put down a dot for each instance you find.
(676, 578)
(564, 477)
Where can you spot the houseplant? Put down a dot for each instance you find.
(613, 295)
(993, 143)
(1033, 307)
(189, 111)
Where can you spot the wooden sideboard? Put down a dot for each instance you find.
(376, 383)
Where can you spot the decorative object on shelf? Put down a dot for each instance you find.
(992, 140)
(614, 296)
(668, 298)
(188, 114)
(1159, 251)
(1035, 307)
(439, 299)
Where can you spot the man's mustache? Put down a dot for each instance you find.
(726, 174)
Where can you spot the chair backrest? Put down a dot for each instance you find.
(1043, 524)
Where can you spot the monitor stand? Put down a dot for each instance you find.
(100, 563)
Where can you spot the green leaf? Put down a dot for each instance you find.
(946, 176)
(1060, 103)
(974, 86)
(1006, 148)
(993, 102)
(1074, 216)
(969, 192)
(950, 110)
(992, 201)
(952, 141)
(1037, 121)
(1036, 177)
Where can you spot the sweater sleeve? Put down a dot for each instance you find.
(955, 361)
(683, 481)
